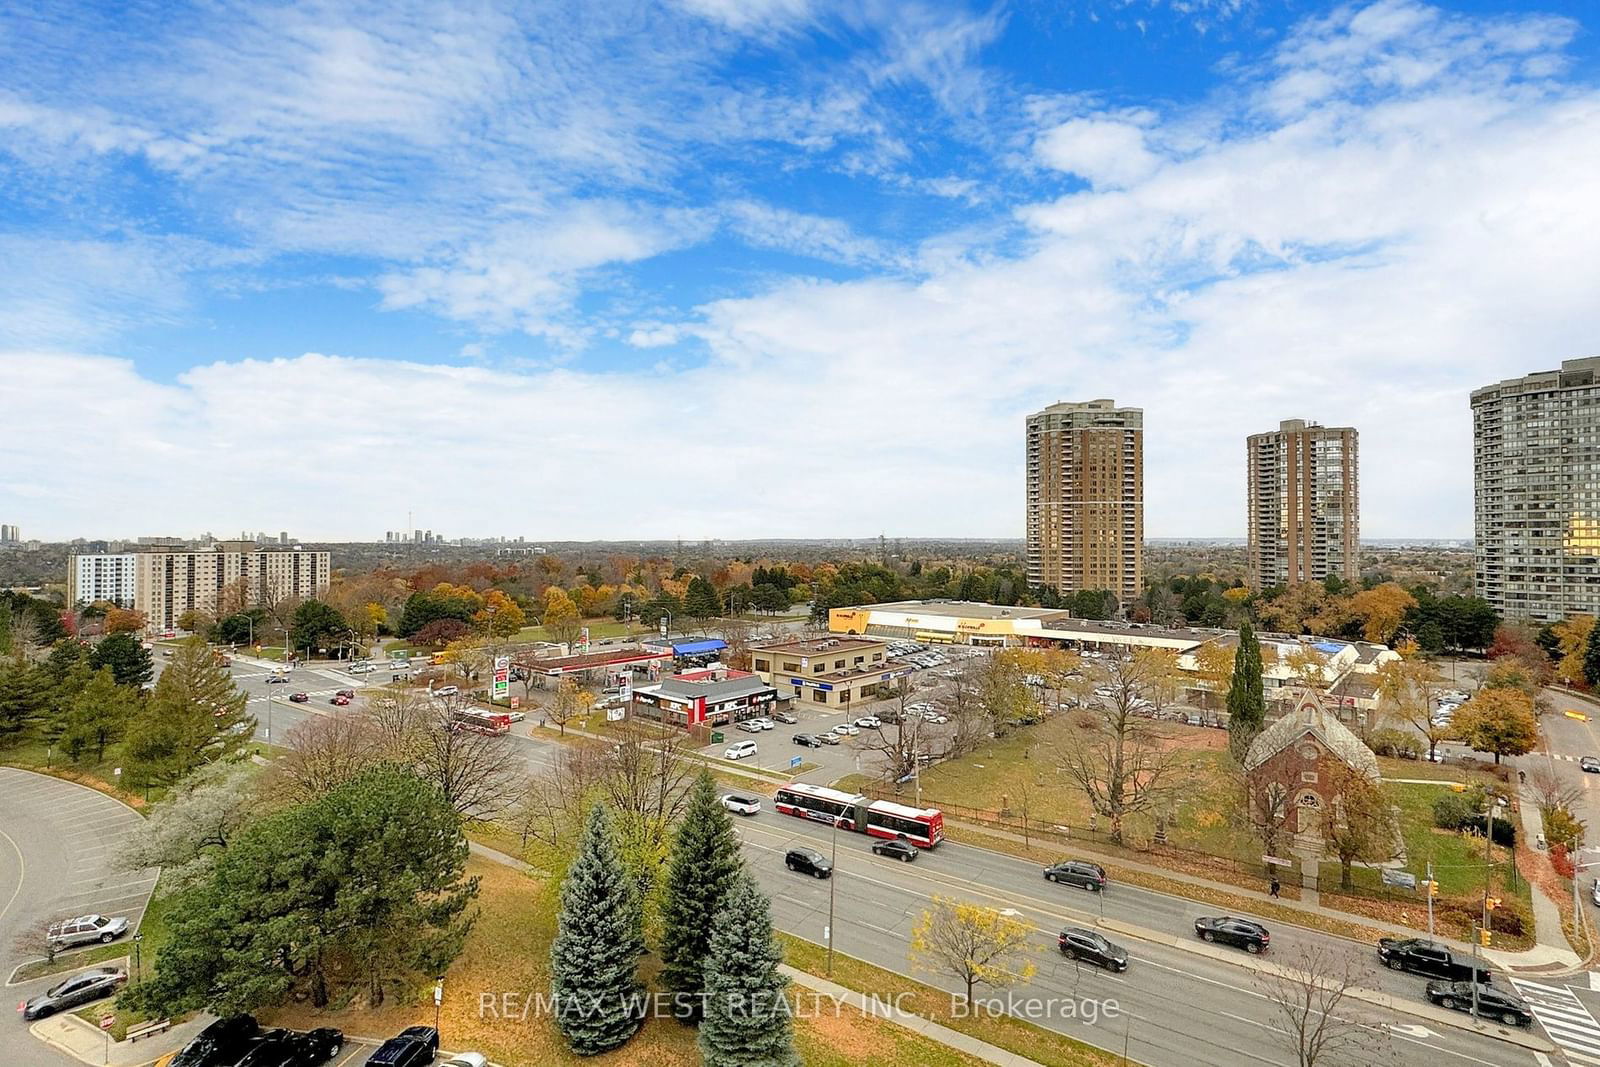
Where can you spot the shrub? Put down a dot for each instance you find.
(1562, 862)
(1452, 810)
(1397, 744)
(1505, 831)
(1562, 827)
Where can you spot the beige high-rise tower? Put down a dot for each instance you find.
(1086, 498)
(1304, 518)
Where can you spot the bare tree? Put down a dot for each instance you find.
(969, 724)
(396, 714)
(1321, 1023)
(325, 751)
(1550, 793)
(33, 942)
(549, 808)
(1121, 760)
(478, 774)
(902, 741)
(1269, 814)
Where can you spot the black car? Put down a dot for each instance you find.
(1421, 956)
(1080, 873)
(808, 861)
(1492, 1003)
(1227, 930)
(412, 1047)
(904, 851)
(1589, 764)
(220, 1044)
(299, 698)
(81, 988)
(285, 1048)
(807, 740)
(1076, 943)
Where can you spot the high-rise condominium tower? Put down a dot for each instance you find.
(1086, 498)
(1536, 492)
(1304, 520)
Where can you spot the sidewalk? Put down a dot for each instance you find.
(1552, 949)
(916, 1023)
(82, 1041)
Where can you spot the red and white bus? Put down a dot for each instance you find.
(852, 811)
(480, 722)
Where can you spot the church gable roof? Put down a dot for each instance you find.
(1310, 717)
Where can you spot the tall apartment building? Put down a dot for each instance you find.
(1304, 511)
(104, 576)
(1536, 492)
(166, 584)
(1085, 507)
(10, 535)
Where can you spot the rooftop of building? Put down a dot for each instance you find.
(589, 660)
(711, 689)
(1572, 373)
(964, 609)
(811, 646)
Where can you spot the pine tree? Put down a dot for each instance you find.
(705, 862)
(194, 715)
(1591, 657)
(700, 600)
(594, 959)
(747, 1021)
(1247, 706)
(24, 698)
(97, 714)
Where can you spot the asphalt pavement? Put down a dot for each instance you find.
(57, 843)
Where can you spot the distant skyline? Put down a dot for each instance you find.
(755, 269)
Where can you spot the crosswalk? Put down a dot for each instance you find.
(1564, 1018)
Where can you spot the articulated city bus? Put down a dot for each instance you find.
(852, 811)
(480, 722)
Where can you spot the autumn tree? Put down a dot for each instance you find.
(1214, 665)
(1163, 679)
(560, 620)
(1574, 635)
(500, 616)
(972, 944)
(1381, 610)
(1410, 688)
(1357, 824)
(1120, 759)
(568, 703)
(1501, 721)
(122, 621)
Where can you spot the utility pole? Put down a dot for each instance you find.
(1430, 898)
(833, 880)
(1488, 873)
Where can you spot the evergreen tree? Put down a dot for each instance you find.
(1247, 706)
(24, 698)
(5, 627)
(700, 600)
(594, 960)
(1591, 657)
(747, 1021)
(97, 715)
(705, 861)
(195, 715)
(127, 657)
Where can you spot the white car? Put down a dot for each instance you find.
(739, 750)
(935, 717)
(869, 722)
(847, 728)
(360, 668)
(740, 804)
(466, 1059)
(764, 724)
(750, 726)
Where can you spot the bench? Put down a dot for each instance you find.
(146, 1029)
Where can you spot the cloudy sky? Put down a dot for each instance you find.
(739, 268)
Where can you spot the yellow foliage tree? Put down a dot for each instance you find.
(500, 616)
(1381, 610)
(1214, 664)
(1573, 633)
(972, 944)
(561, 620)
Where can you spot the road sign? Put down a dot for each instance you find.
(1277, 861)
(107, 1021)
(794, 761)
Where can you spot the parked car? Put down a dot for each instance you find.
(412, 1047)
(80, 989)
(1421, 956)
(86, 928)
(904, 851)
(749, 726)
(1492, 1003)
(1081, 873)
(1077, 943)
(869, 722)
(466, 1059)
(1589, 764)
(808, 861)
(740, 804)
(787, 717)
(220, 1044)
(807, 740)
(935, 717)
(285, 1048)
(829, 738)
(847, 729)
(447, 691)
(1241, 933)
(300, 698)
(739, 750)
(339, 700)
(764, 724)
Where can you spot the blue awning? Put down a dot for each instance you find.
(695, 648)
(1331, 648)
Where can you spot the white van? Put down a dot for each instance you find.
(739, 750)
(446, 691)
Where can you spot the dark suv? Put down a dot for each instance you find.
(414, 1046)
(220, 1044)
(808, 861)
(1081, 873)
(1077, 943)
(1492, 1003)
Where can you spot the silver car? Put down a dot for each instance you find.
(87, 928)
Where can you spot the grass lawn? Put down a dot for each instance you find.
(598, 628)
(96, 774)
(505, 964)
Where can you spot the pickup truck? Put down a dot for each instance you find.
(1430, 958)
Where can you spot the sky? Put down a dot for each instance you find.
(767, 268)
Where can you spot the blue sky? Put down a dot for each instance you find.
(742, 268)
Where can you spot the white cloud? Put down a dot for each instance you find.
(1107, 154)
(769, 226)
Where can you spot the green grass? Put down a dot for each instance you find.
(598, 628)
(153, 927)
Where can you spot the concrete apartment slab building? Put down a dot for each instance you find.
(166, 584)
(1304, 514)
(1536, 492)
(1085, 498)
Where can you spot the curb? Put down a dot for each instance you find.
(125, 961)
(1375, 997)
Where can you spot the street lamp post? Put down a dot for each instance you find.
(833, 879)
(1490, 803)
(438, 999)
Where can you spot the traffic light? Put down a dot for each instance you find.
(1458, 787)
(1492, 903)
(1485, 938)
(1433, 888)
